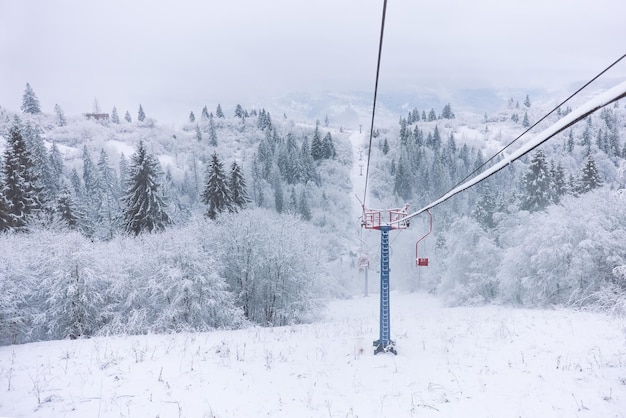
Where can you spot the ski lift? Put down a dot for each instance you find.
(423, 262)
(364, 261)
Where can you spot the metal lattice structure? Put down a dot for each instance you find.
(385, 221)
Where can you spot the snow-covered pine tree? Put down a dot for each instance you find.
(30, 102)
(6, 220)
(47, 186)
(239, 112)
(212, 133)
(92, 198)
(68, 211)
(20, 180)
(303, 206)
(115, 117)
(238, 189)
(141, 116)
(110, 194)
(328, 149)
(537, 184)
(590, 178)
(127, 117)
(218, 112)
(60, 116)
(317, 148)
(216, 194)
(205, 114)
(192, 117)
(143, 206)
(446, 113)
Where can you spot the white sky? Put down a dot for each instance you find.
(176, 56)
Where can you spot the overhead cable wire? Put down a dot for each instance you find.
(479, 168)
(610, 96)
(380, 50)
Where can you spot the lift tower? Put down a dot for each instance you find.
(385, 221)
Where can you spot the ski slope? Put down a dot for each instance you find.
(471, 361)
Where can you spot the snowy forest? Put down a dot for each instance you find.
(119, 225)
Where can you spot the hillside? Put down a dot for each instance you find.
(471, 361)
(505, 241)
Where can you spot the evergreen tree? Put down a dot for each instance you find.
(6, 218)
(47, 186)
(485, 209)
(303, 207)
(141, 116)
(68, 210)
(279, 198)
(238, 189)
(293, 201)
(590, 178)
(198, 133)
(144, 207)
(115, 118)
(537, 184)
(436, 138)
(192, 117)
(216, 194)
(123, 171)
(527, 101)
(432, 115)
(212, 133)
(30, 102)
(317, 148)
(403, 182)
(219, 113)
(385, 146)
(205, 114)
(127, 117)
(559, 181)
(446, 113)
(570, 142)
(328, 149)
(110, 195)
(60, 116)
(307, 164)
(239, 113)
(20, 180)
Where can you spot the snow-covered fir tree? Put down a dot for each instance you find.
(538, 192)
(144, 208)
(216, 194)
(60, 115)
(115, 117)
(30, 102)
(20, 180)
(589, 178)
(141, 116)
(237, 186)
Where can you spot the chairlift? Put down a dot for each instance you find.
(423, 262)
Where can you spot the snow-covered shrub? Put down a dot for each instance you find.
(274, 266)
(469, 270)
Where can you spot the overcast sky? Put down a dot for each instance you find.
(176, 56)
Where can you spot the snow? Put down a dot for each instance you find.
(487, 361)
(591, 106)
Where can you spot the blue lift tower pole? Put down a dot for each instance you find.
(385, 221)
(384, 343)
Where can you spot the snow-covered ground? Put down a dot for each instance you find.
(452, 362)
